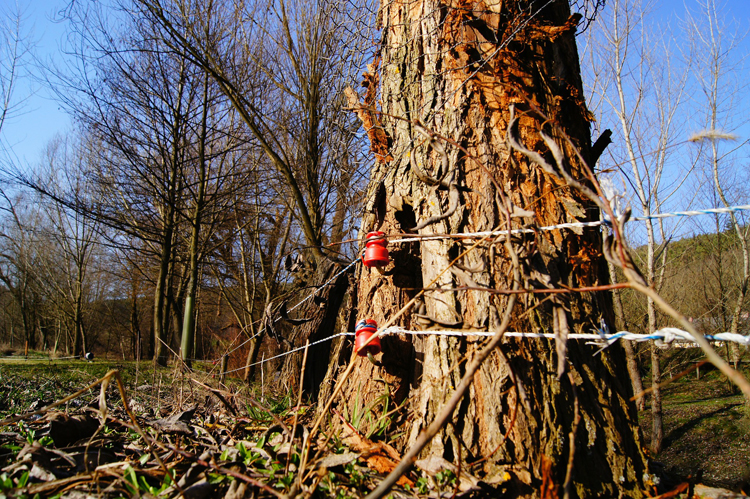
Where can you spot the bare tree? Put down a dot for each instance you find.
(282, 66)
(68, 269)
(642, 87)
(134, 99)
(719, 66)
(218, 178)
(162, 163)
(289, 71)
(14, 48)
(18, 264)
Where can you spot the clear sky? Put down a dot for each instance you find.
(41, 118)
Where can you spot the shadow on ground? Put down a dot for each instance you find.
(707, 430)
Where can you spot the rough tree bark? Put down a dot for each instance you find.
(450, 71)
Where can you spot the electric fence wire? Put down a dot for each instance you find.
(571, 225)
(666, 336)
(470, 235)
(284, 354)
(307, 298)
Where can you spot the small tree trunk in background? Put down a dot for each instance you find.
(657, 431)
(252, 358)
(150, 353)
(452, 70)
(224, 363)
(160, 339)
(163, 290)
(77, 338)
(635, 374)
(255, 343)
(135, 326)
(175, 317)
(44, 331)
(188, 323)
(633, 371)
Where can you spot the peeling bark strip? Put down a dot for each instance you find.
(367, 113)
(454, 69)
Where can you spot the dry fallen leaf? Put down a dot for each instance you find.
(379, 456)
(65, 430)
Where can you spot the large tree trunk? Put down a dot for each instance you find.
(450, 72)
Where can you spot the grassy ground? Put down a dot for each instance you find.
(213, 440)
(706, 431)
(34, 383)
(706, 427)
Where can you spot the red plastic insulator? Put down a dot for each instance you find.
(376, 253)
(364, 330)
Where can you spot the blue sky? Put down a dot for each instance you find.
(686, 184)
(41, 118)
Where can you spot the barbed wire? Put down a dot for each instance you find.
(666, 336)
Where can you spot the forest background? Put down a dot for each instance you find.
(203, 199)
(136, 208)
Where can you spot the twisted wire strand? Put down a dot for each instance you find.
(666, 336)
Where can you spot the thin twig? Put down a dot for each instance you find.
(350, 368)
(446, 412)
(645, 392)
(571, 439)
(713, 357)
(296, 413)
